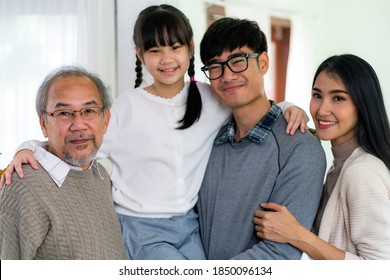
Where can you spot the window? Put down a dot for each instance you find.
(38, 36)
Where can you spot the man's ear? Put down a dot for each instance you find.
(263, 62)
(42, 122)
(138, 52)
(107, 117)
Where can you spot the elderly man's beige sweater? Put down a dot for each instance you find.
(39, 220)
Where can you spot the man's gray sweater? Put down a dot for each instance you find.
(284, 169)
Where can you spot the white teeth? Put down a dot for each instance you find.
(168, 70)
(326, 123)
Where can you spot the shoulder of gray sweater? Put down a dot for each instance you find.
(299, 138)
(306, 144)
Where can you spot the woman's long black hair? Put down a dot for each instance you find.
(362, 84)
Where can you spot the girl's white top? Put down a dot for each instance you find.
(157, 169)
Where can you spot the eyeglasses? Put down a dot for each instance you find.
(67, 114)
(236, 64)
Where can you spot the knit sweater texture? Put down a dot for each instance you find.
(39, 220)
(356, 218)
(284, 169)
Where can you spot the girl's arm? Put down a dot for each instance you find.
(295, 117)
(24, 155)
(279, 225)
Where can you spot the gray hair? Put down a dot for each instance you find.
(66, 71)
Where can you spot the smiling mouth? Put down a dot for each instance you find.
(326, 123)
(231, 88)
(170, 70)
(79, 141)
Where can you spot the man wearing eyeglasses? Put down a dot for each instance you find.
(64, 209)
(253, 160)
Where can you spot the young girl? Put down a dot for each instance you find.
(159, 140)
(354, 222)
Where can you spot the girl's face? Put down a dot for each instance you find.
(167, 65)
(333, 110)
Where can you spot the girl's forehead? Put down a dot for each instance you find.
(161, 40)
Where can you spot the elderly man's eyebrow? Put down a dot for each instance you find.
(90, 103)
(61, 105)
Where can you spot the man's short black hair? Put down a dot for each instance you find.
(228, 34)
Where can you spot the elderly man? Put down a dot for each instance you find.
(64, 209)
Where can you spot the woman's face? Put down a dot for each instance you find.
(333, 111)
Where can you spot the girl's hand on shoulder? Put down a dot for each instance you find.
(23, 156)
(296, 118)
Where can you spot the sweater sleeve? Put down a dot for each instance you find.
(23, 223)
(284, 105)
(366, 193)
(299, 188)
(31, 145)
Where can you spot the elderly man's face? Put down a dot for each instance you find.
(74, 140)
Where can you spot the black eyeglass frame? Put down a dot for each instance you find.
(205, 68)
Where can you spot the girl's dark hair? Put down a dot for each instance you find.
(228, 34)
(363, 85)
(164, 25)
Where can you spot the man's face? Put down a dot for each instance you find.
(240, 89)
(74, 140)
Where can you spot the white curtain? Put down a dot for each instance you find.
(37, 36)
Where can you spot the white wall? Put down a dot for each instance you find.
(359, 27)
(37, 37)
(127, 13)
